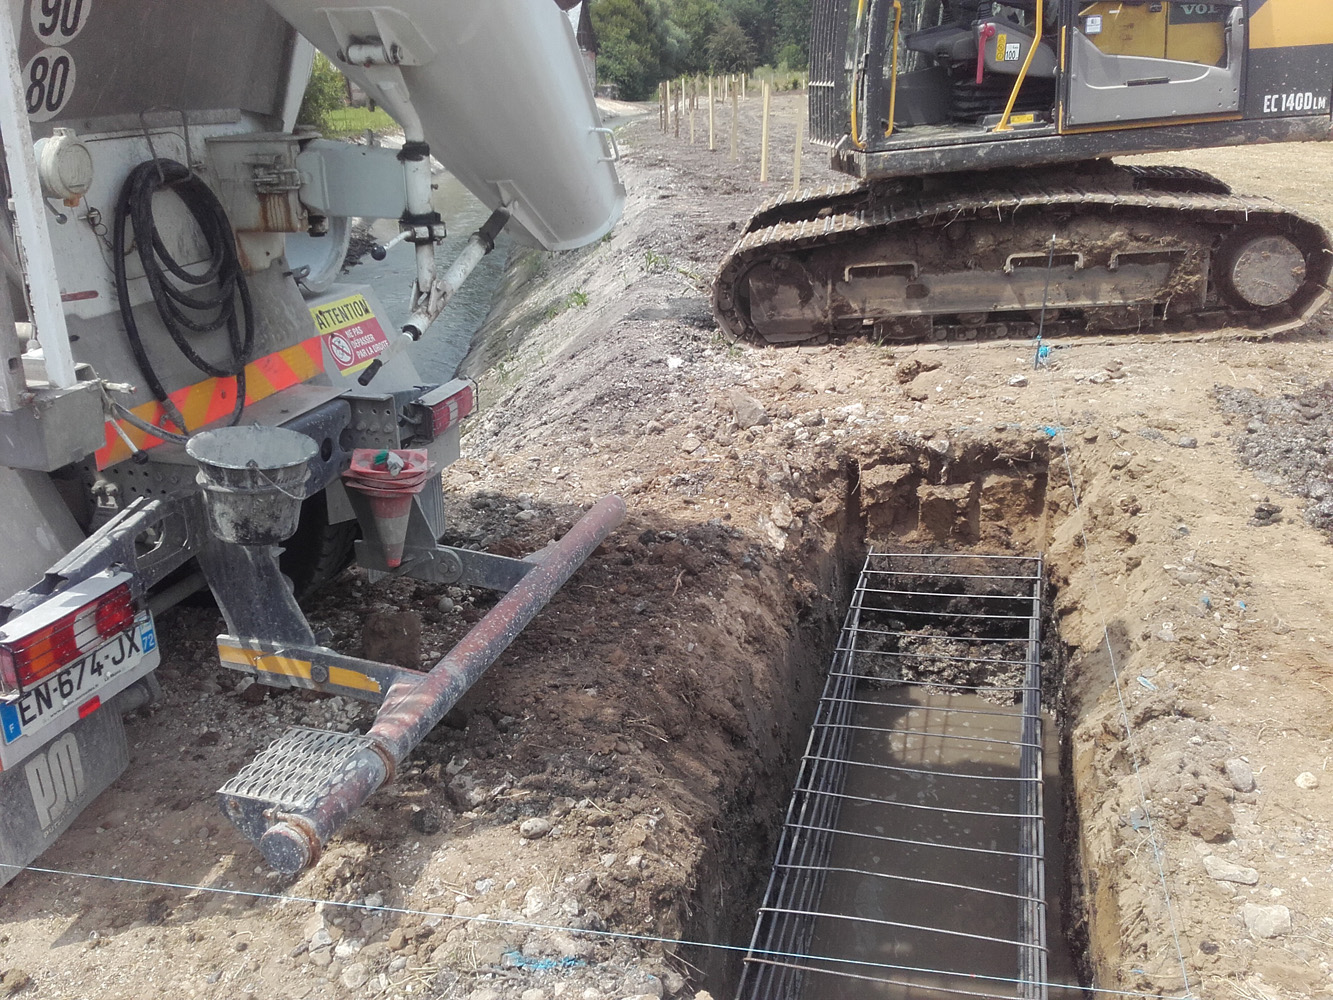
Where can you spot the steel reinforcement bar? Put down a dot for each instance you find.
(916, 799)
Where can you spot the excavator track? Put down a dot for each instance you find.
(1109, 250)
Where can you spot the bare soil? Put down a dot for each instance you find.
(653, 715)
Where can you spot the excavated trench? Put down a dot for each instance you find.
(859, 903)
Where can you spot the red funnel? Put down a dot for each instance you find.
(390, 483)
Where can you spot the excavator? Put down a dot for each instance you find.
(985, 201)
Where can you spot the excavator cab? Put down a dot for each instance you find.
(1141, 58)
(972, 62)
(950, 75)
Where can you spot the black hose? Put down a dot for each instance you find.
(132, 418)
(182, 313)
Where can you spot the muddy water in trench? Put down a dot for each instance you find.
(992, 790)
(439, 353)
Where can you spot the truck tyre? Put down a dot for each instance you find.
(318, 551)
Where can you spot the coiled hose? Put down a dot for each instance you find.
(185, 305)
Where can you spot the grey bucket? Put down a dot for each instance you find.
(253, 479)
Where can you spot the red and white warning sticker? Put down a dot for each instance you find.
(351, 331)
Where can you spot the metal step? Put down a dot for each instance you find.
(289, 776)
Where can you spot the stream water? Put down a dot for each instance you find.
(439, 353)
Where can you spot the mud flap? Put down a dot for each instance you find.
(43, 795)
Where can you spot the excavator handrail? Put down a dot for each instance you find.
(857, 75)
(893, 80)
(1003, 124)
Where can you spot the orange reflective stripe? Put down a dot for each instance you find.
(220, 401)
(258, 384)
(275, 370)
(313, 362)
(150, 412)
(196, 403)
(213, 398)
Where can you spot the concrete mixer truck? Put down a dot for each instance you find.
(191, 396)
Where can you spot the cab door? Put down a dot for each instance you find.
(1290, 71)
(1154, 60)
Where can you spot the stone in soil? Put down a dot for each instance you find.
(1266, 921)
(393, 637)
(1211, 819)
(1240, 774)
(347, 947)
(1266, 514)
(557, 944)
(355, 975)
(534, 828)
(1227, 871)
(747, 411)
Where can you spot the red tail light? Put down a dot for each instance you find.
(39, 651)
(443, 407)
(115, 612)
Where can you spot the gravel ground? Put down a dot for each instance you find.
(1286, 442)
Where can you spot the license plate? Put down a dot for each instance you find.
(78, 682)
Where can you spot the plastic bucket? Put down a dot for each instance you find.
(253, 479)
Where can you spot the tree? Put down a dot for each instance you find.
(670, 42)
(790, 57)
(698, 20)
(758, 19)
(793, 33)
(326, 91)
(625, 39)
(730, 49)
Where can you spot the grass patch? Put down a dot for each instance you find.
(345, 122)
(578, 299)
(654, 261)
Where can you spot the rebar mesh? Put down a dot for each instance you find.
(911, 861)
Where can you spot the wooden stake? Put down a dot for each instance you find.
(796, 158)
(744, 78)
(694, 99)
(679, 87)
(763, 140)
(661, 107)
(735, 115)
(666, 120)
(712, 134)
